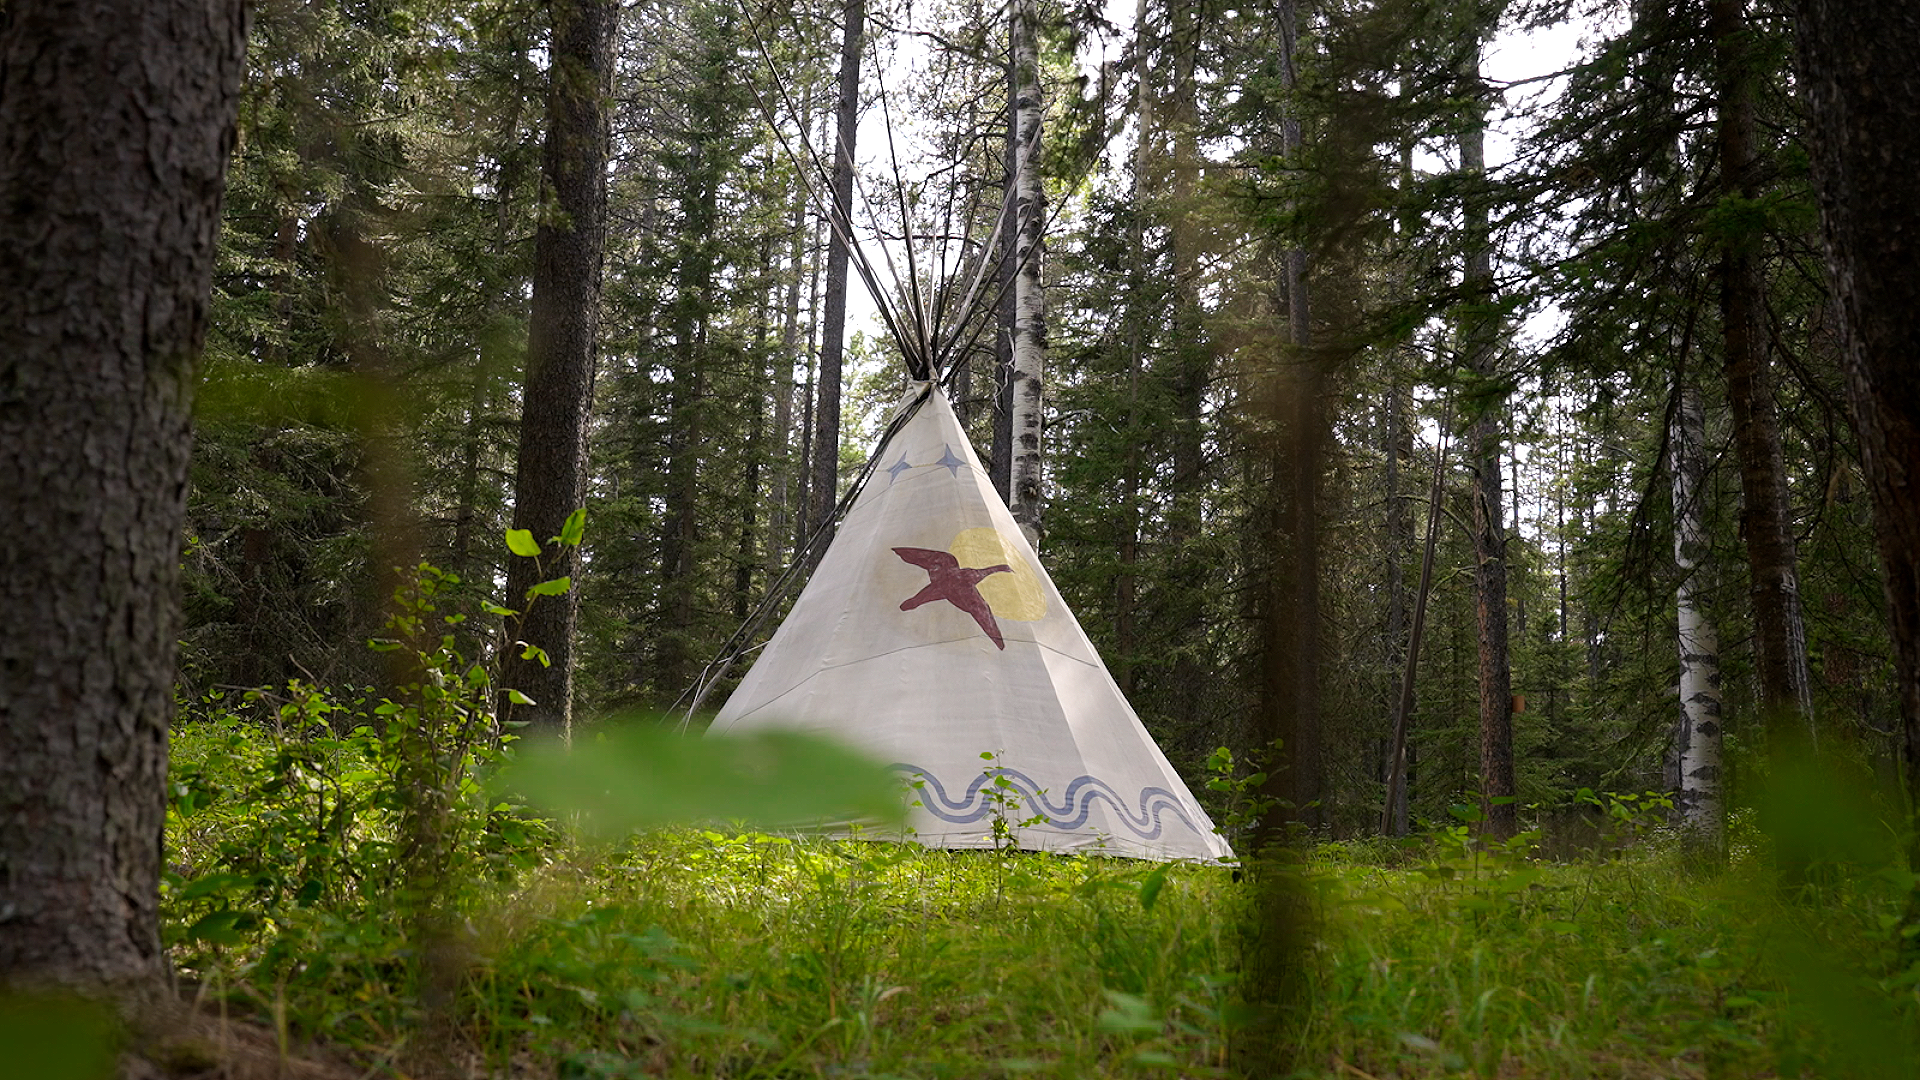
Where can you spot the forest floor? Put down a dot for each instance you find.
(706, 953)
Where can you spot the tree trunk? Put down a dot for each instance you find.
(803, 471)
(1399, 541)
(1857, 70)
(779, 523)
(1293, 632)
(1400, 755)
(1029, 299)
(116, 122)
(1000, 456)
(1779, 633)
(550, 477)
(826, 412)
(1696, 750)
(746, 558)
(1480, 330)
(1126, 578)
(1188, 371)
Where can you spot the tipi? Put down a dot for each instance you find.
(929, 636)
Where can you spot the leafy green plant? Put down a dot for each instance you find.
(1005, 804)
(1627, 817)
(520, 542)
(316, 806)
(1239, 786)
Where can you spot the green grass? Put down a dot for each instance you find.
(703, 953)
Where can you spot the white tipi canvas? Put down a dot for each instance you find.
(929, 635)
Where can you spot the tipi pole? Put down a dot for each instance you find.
(733, 649)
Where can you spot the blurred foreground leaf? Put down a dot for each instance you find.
(641, 775)
(52, 1038)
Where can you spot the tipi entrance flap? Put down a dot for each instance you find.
(930, 634)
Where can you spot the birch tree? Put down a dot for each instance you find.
(1029, 299)
(1697, 729)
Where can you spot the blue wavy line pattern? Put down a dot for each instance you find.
(1071, 813)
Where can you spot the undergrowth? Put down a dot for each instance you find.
(345, 869)
(715, 953)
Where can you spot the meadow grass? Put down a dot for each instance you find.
(707, 952)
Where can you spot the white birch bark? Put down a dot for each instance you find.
(1029, 301)
(1697, 734)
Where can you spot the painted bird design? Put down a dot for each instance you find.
(957, 585)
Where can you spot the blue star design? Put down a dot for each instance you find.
(894, 470)
(953, 464)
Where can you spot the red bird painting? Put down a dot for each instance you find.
(957, 585)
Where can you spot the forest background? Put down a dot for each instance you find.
(415, 130)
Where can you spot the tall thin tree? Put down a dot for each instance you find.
(550, 479)
(1480, 329)
(1293, 668)
(1029, 297)
(1697, 737)
(1779, 629)
(825, 483)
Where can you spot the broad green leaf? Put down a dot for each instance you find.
(518, 698)
(557, 587)
(495, 609)
(1150, 888)
(57, 1038)
(224, 927)
(521, 542)
(535, 652)
(1127, 1015)
(575, 528)
(213, 883)
(636, 775)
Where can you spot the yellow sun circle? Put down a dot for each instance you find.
(1016, 595)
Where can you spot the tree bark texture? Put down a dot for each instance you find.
(1696, 739)
(116, 122)
(550, 477)
(1863, 88)
(826, 412)
(1029, 298)
(1480, 330)
(1293, 616)
(1779, 632)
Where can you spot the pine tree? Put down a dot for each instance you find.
(104, 275)
(550, 481)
